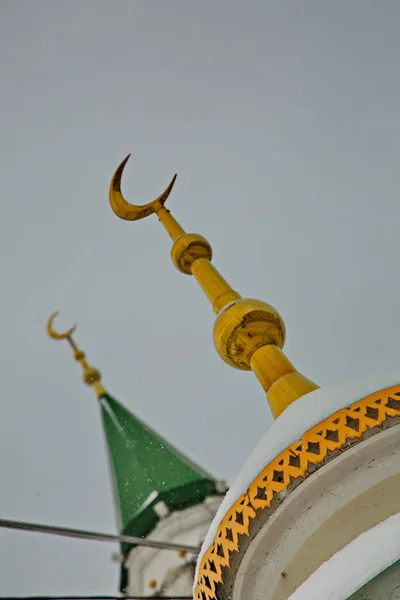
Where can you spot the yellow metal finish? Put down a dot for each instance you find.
(323, 442)
(91, 376)
(127, 211)
(248, 334)
(281, 381)
(245, 326)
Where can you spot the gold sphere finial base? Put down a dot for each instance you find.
(188, 248)
(242, 327)
(91, 376)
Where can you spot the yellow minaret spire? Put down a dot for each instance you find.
(91, 376)
(248, 334)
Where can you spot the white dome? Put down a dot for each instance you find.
(298, 418)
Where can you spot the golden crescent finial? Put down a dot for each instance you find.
(130, 212)
(54, 334)
(248, 334)
(91, 376)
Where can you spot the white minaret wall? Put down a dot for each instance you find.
(172, 573)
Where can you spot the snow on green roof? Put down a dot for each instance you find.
(146, 470)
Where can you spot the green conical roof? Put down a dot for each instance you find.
(147, 470)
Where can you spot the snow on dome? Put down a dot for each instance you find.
(299, 417)
(355, 565)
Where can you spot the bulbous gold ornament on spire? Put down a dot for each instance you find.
(248, 334)
(91, 376)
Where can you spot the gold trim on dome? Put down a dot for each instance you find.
(316, 447)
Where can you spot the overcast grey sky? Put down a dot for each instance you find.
(282, 121)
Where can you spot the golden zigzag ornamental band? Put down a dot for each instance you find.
(314, 513)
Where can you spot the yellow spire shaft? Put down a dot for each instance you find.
(91, 376)
(171, 225)
(282, 382)
(248, 334)
(217, 290)
(277, 375)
